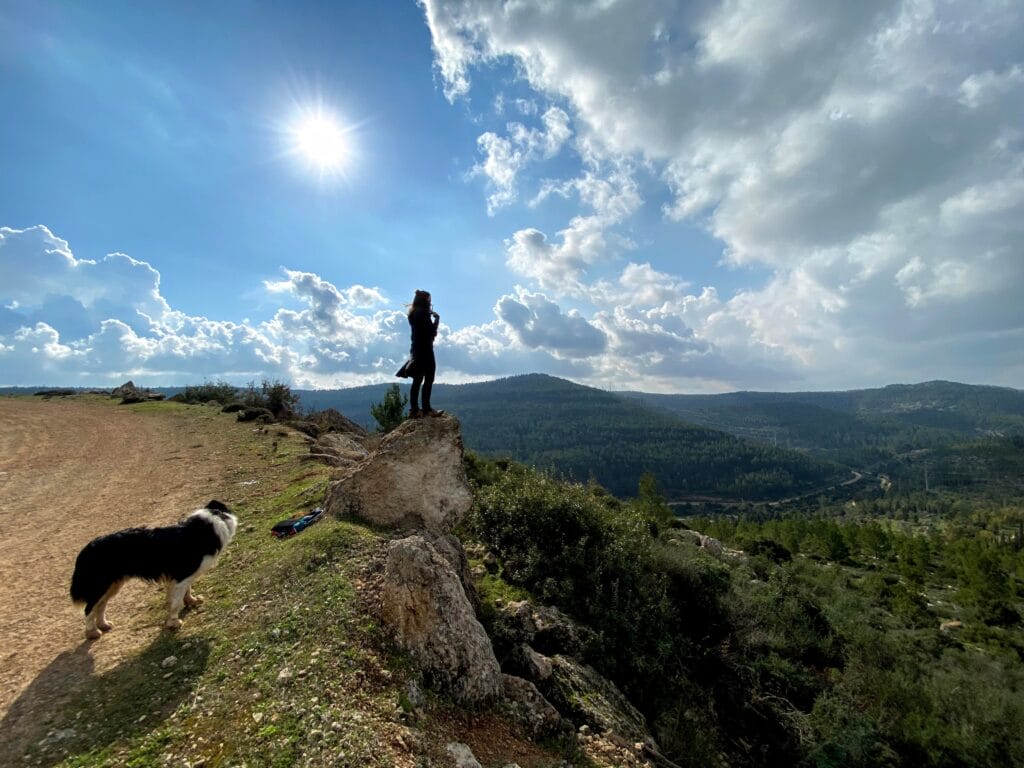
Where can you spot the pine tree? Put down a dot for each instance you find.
(389, 412)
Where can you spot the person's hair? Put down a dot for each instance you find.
(420, 301)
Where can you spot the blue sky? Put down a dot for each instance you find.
(699, 196)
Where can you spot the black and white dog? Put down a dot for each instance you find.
(174, 555)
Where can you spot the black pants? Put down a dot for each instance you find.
(426, 367)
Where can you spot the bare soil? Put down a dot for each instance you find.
(70, 470)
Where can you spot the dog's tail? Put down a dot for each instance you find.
(80, 584)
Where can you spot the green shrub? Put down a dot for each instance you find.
(389, 413)
(220, 391)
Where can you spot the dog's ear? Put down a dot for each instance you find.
(218, 505)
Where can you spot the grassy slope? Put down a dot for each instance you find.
(283, 665)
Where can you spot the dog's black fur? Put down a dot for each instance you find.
(174, 554)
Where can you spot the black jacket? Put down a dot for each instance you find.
(424, 330)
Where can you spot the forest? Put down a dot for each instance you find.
(879, 631)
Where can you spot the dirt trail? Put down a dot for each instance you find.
(71, 470)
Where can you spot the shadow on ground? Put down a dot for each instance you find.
(51, 721)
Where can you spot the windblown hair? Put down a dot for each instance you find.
(420, 301)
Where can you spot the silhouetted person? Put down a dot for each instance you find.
(421, 366)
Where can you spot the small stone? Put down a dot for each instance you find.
(257, 716)
(169, 662)
(336, 726)
(284, 676)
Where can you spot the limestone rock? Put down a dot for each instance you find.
(527, 663)
(545, 628)
(343, 447)
(426, 607)
(585, 697)
(125, 389)
(524, 703)
(129, 394)
(451, 549)
(414, 479)
(714, 546)
(463, 755)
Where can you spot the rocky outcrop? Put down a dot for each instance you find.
(414, 479)
(129, 393)
(424, 604)
(524, 704)
(462, 755)
(585, 697)
(342, 449)
(528, 664)
(451, 549)
(543, 628)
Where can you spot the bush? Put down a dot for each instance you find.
(596, 560)
(389, 413)
(220, 391)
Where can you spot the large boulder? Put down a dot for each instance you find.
(129, 393)
(451, 549)
(424, 604)
(580, 693)
(525, 705)
(414, 479)
(343, 448)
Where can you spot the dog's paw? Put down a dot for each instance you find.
(93, 634)
(104, 626)
(192, 600)
(172, 624)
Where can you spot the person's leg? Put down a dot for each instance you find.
(414, 396)
(428, 383)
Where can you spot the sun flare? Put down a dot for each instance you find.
(321, 141)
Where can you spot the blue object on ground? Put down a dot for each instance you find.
(287, 528)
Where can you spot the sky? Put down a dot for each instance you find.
(699, 196)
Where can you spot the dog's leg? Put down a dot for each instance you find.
(95, 618)
(176, 592)
(101, 608)
(91, 630)
(190, 599)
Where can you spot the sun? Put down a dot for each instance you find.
(321, 141)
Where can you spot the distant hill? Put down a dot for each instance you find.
(589, 433)
(858, 427)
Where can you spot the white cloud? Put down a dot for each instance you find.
(505, 157)
(867, 156)
(562, 266)
(536, 322)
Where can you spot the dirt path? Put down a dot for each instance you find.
(71, 470)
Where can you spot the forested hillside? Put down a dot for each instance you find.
(863, 428)
(587, 433)
(879, 632)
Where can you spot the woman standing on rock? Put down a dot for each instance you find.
(421, 366)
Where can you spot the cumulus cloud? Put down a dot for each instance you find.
(505, 156)
(537, 322)
(562, 265)
(323, 335)
(71, 320)
(868, 156)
